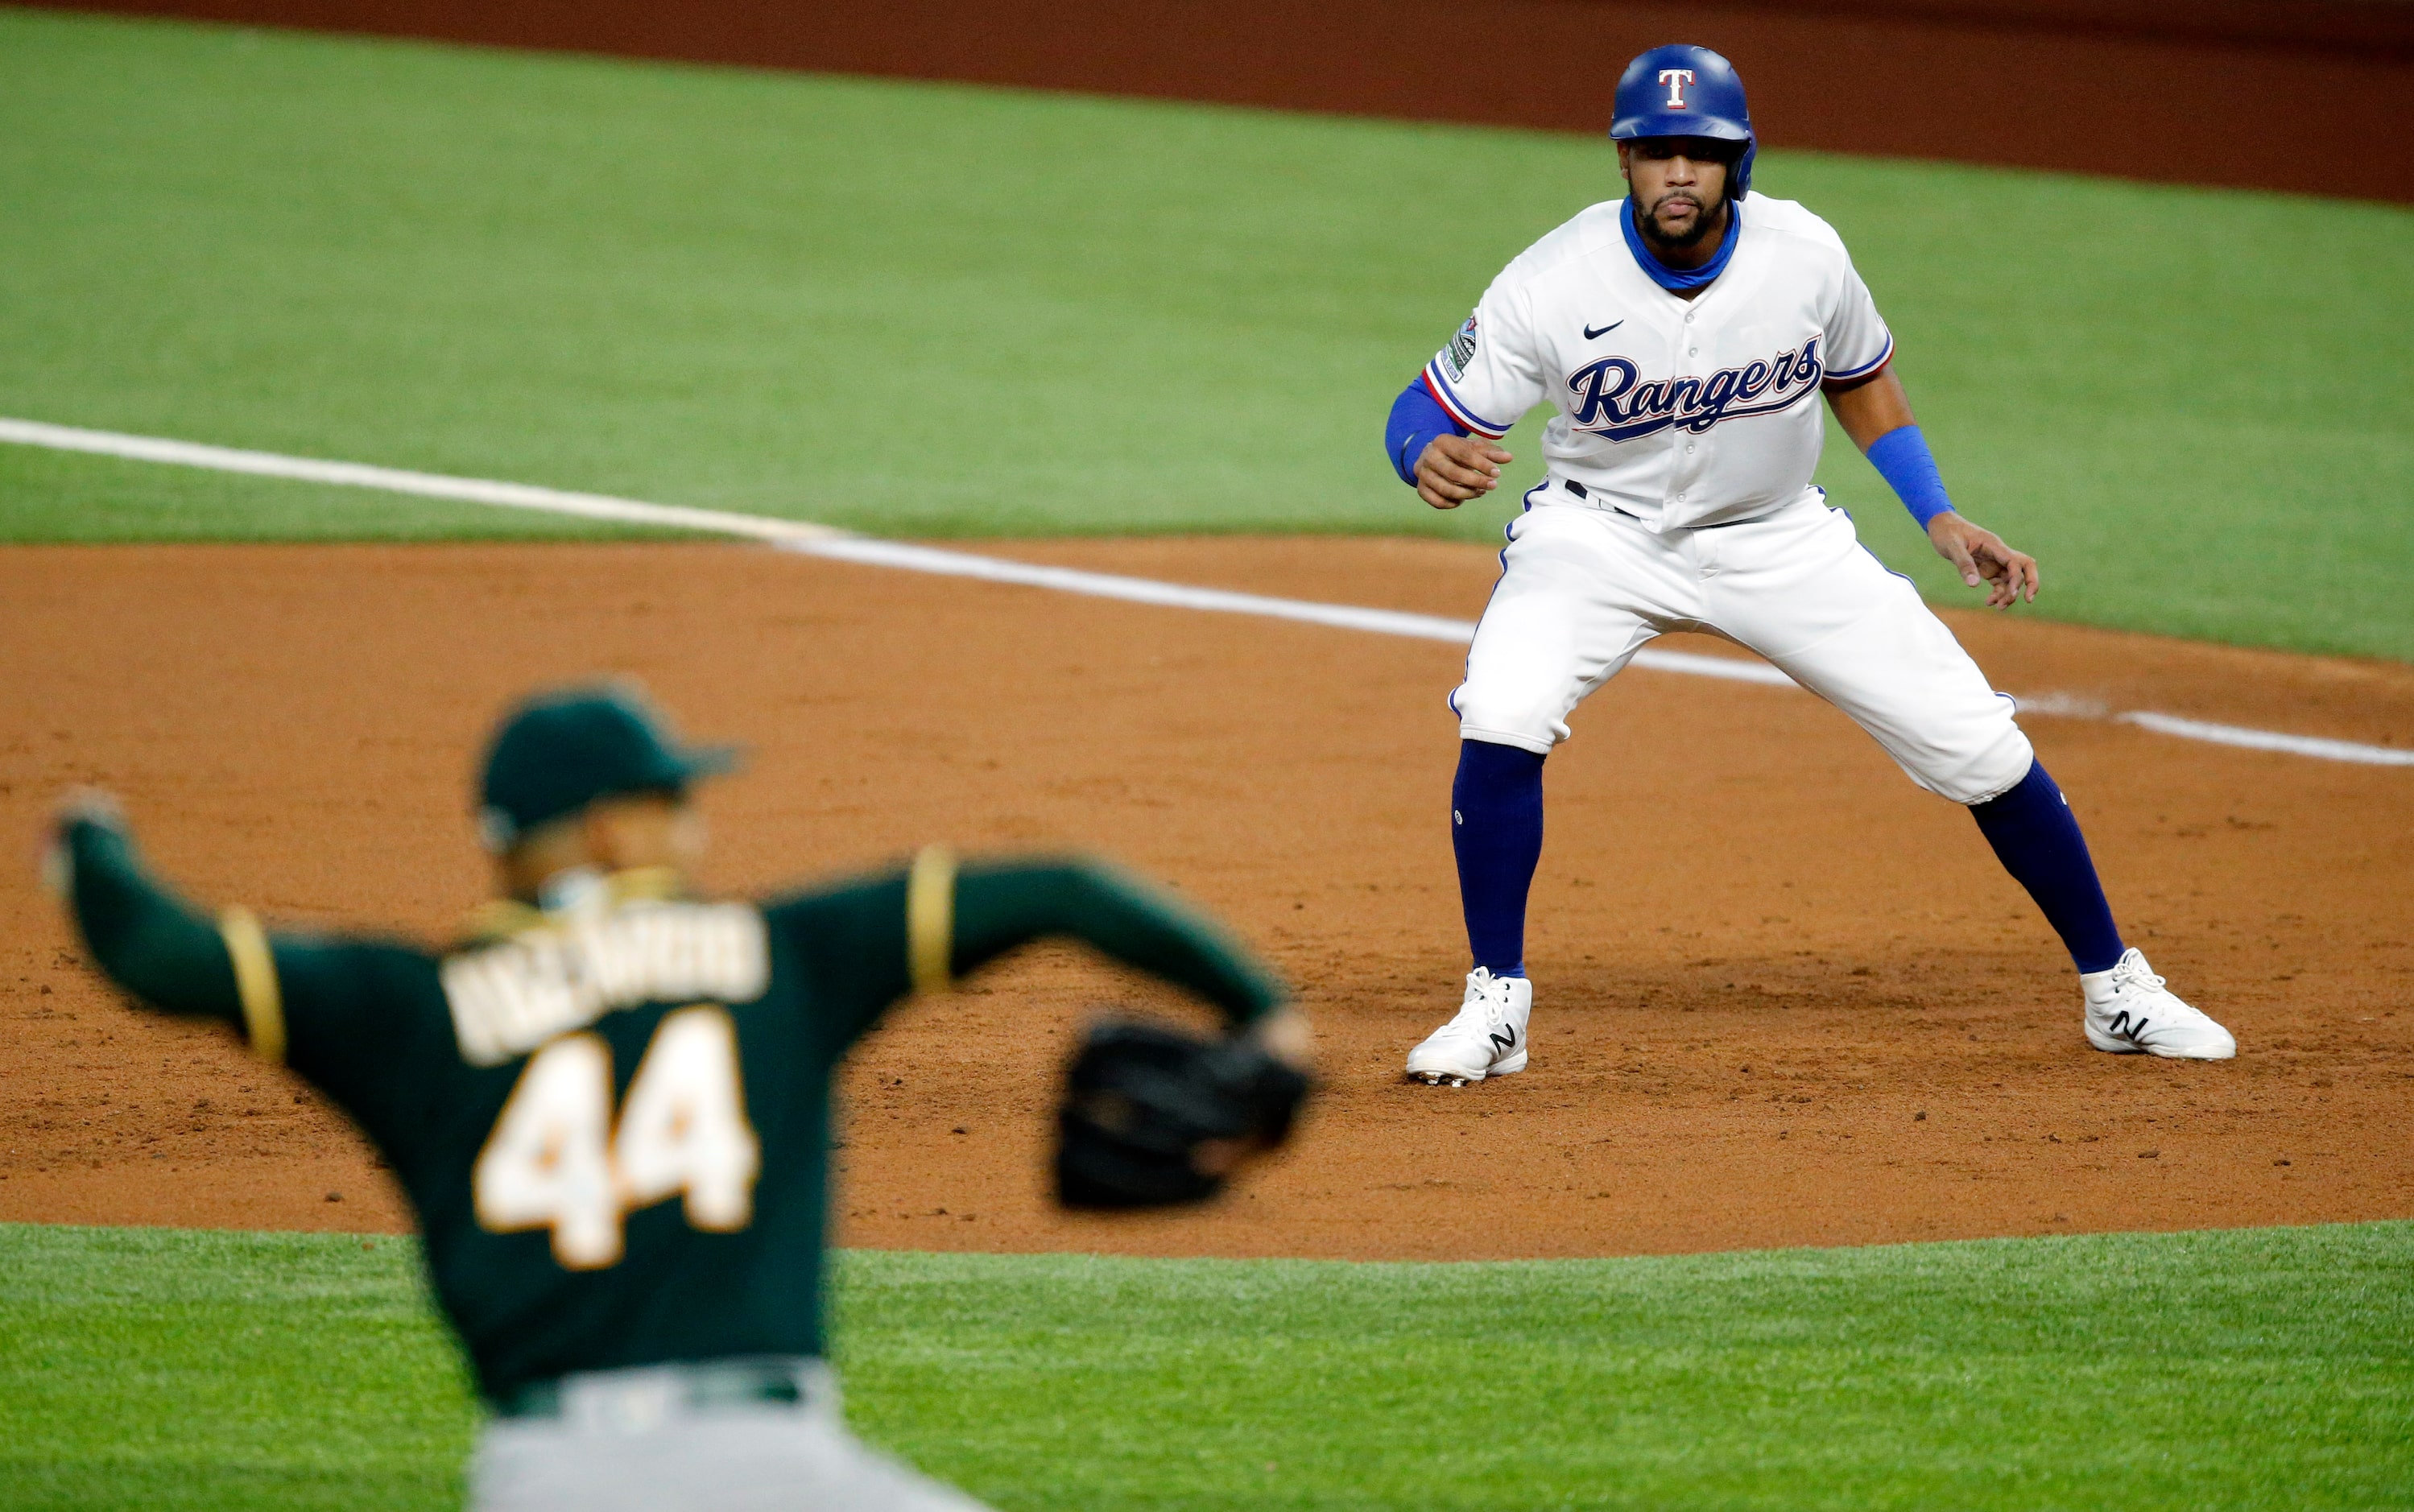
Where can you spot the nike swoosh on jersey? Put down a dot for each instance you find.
(1590, 335)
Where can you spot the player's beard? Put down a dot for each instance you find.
(1707, 218)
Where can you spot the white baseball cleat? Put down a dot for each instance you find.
(2128, 1013)
(1487, 1039)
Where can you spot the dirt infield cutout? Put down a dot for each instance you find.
(1782, 997)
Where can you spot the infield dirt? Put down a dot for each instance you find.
(1784, 996)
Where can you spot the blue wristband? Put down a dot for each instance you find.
(1902, 459)
(1415, 420)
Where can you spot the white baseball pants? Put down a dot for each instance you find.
(1585, 587)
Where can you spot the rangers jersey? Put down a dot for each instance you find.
(1682, 413)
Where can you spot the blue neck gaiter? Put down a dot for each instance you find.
(1682, 278)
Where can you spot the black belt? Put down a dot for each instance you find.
(1581, 492)
(707, 1384)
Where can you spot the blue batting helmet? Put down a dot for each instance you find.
(1685, 91)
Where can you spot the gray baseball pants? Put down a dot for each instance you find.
(639, 1439)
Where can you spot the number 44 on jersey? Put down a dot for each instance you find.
(557, 1159)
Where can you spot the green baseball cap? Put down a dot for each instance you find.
(561, 751)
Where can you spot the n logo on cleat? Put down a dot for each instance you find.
(1504, 1044)
(2124, 1027)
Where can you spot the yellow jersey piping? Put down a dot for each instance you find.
(255, 983)
(931, 919)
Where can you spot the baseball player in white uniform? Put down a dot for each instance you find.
(1684, 334)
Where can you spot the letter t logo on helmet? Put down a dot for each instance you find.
(1685, 91)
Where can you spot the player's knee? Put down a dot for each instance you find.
(1534, 724)
(1984, 769)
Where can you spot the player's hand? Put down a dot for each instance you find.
(79, 806)
(1284, 1034)
(1980, 555)
(1452, 469)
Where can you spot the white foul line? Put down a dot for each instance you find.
(2239, 734)
(872, 552)
(398, 480)
(841, 545)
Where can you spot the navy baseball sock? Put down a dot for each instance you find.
(2038, 842)
(1496, 826)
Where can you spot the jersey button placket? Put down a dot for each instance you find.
(1681, 466)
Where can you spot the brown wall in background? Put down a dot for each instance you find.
(2139, 88)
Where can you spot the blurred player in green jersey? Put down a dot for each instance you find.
(610, 1108)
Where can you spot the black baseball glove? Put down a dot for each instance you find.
(1154, 1117)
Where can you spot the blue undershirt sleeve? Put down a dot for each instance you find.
(1416, 419)
(1902, 459)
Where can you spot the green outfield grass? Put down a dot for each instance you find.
(2260, 1368)
(933, 310)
